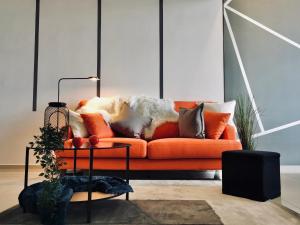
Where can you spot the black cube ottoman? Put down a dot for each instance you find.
(251, 174)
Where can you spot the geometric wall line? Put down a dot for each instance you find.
(256, 23)
(261, 51)
(279, 128)
(281, 16)
(249, 91)
(276, 34)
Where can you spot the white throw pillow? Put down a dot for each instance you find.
(226, 107)
(77, 125)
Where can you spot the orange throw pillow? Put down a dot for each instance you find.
(166, 130)
(81, 103)
(96, 125)
(215, 124)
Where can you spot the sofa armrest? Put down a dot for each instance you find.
(229, 133)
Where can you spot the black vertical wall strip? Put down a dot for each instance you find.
(36, 54)
(99, 46)
(223, 27)
(161, 50)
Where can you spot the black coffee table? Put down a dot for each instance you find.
(81, 197)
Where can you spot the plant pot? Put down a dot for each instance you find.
(52, 217)
(55, 212)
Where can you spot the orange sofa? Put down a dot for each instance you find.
(168, 153)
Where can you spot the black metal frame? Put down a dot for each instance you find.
(99, 15)
(36, 54)
(160, 174)
(223, 43)
(161, 49)
(91, 171)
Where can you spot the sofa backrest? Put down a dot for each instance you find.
(171, 129)
(177, 104)
(184, 104)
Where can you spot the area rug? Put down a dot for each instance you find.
(129, 212)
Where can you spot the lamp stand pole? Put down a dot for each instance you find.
(58, 91)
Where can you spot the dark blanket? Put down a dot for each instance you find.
(28, 200)
(70, 184)
(105, 184)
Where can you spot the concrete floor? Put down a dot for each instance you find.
(232, 210)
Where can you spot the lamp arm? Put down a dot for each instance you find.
(67, 78)
(58, 88)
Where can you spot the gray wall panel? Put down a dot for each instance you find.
(280, 15)
(286, 142)
(234, 83)
(272, 68)
(271, 64)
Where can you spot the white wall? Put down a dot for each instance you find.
(193, 67)
(130, 41)
(17, 122)
(68, 48)
(193, 50)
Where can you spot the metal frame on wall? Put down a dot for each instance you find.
(99, 21)
(223, 27)
(36, 54)
(161, 48)
(99, 46)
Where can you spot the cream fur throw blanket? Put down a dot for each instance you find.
(149, 112)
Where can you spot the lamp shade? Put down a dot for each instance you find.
(93, 78)
(57, 115)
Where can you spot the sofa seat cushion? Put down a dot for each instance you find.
(188, 148)
(138, 149)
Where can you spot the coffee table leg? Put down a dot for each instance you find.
(26, 170)
(127, 169)
(75, 162)
(26, 167)
(89, 206)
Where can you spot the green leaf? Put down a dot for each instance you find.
(244, 118)
(48, 140)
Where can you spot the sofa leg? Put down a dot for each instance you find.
(217, 175)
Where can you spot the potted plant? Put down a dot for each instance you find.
(49, 204)
(244, 119)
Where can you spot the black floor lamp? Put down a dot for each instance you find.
(57, 113)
